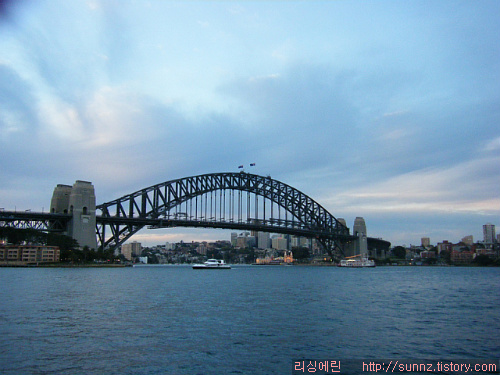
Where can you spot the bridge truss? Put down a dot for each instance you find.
(220, 200)
(46, 222)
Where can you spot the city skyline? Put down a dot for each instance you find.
(385, 110)
(228, 235)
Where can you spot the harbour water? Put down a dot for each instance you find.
(248, 320)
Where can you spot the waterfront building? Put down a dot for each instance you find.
(461, 257)
(489, 233)
(425, 241)
(26, 254)
(287, 258)
(426, 254)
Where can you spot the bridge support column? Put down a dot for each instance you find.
(79, 201)
(361, 242)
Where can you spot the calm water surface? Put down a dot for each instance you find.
(247, 320)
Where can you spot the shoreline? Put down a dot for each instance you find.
(62, 265)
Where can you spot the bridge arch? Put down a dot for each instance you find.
(217, 200)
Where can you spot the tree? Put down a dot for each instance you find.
(300, 253)
(399, 252)
(483, 260)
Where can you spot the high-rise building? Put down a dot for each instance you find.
(489, 233)
(263, 240)
(426, 241)
(130, 250)
(280, 243)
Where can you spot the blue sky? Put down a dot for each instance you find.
(389, 110)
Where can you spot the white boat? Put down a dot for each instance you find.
(357, 263)
(212, 264)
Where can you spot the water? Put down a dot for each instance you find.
(247, 320)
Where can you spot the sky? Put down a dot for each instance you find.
(388, 110)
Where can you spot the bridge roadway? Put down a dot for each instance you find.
(43, 221)
(52, 222)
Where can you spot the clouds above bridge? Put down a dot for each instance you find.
(387, 110)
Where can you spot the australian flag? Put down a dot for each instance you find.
(252, 164)
(240, 166)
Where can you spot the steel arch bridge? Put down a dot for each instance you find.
(220, 200)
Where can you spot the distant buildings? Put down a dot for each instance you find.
(463, 252)
(468, 240)
(279, 243)
(444, 246)
(286, 258)
(426, 242)
(130, 250)
(263, 240)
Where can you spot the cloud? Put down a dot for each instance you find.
(469, 187)
(373, 114)
(493, 145)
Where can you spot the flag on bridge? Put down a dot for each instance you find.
(252, 164)
(240, 166)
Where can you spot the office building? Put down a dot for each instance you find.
(263, 240)
(279, 243)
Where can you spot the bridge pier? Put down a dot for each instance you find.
(78, 201)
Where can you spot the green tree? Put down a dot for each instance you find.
(483, 260)
(300, 253)
(399, 252)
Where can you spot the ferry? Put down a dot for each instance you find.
(357, 263)
(212, 264)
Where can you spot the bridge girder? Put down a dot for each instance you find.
(45, 222)
(149, 206)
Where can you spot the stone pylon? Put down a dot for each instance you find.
(79, 201)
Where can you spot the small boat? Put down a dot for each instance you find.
(212, 264)
(357, 263)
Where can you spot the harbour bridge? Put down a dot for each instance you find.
(227, 200)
